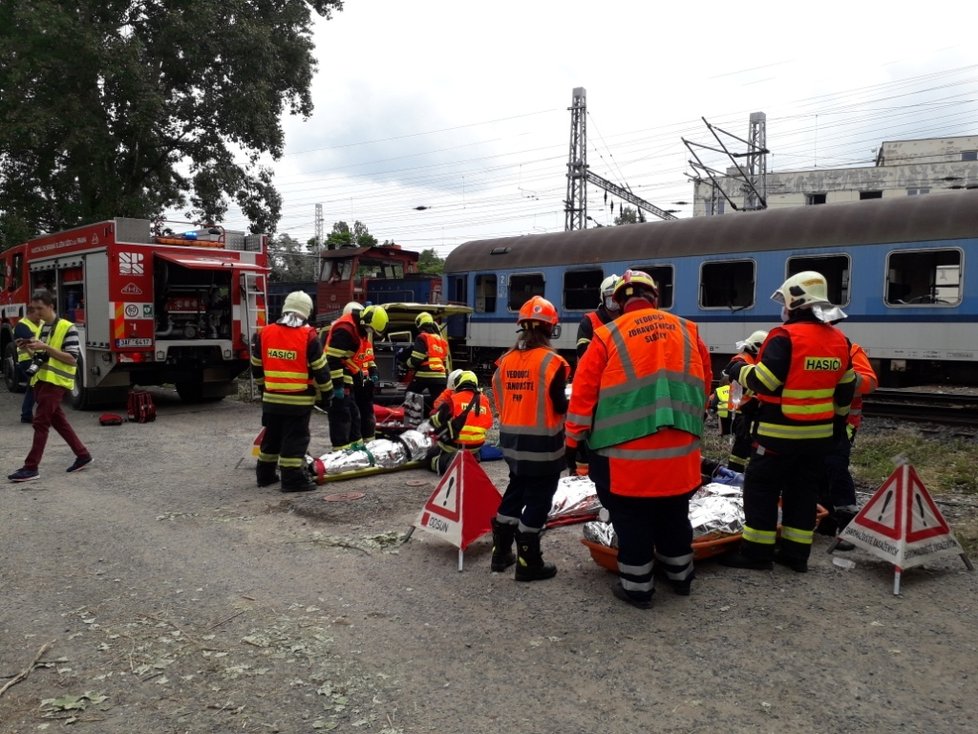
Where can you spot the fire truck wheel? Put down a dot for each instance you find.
(81, 397)
(198, 392)
(10, 369)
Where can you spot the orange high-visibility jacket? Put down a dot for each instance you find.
(866, 382)
(432, 362)
(531, 431)
(344, 367)
(472, 434)
(638, 397)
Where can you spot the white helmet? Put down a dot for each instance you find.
(803, 290)
(298, 302)
(608, 292)
(453, 378)
(753, 343)
(351, 307)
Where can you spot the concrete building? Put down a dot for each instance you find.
(902, 168)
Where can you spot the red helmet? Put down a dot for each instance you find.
(539, 309)
(636, 283)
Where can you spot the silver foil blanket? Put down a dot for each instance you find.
(574, 501)
(382, 453)
(715, 508)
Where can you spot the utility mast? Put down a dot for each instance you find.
(756, 193)
(575, 205)
(319, 231)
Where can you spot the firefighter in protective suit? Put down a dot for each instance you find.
(347, 342)
(528, 389)
(446, 394)
(428, 359)
(289, 366)
(804, 382)
(606, 311)
(639, 398)
(743, 414)
(461, 423)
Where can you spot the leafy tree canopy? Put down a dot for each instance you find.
(292, 261)
(430, 262)
(627, 215)
(343, 235)
(132, 108)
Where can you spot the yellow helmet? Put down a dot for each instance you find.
(467, 379)
(636, 283)
(803, 290)
(424, 318)
(374, 318)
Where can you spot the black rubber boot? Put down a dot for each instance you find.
(798, 565)
(265, 474)
(639, 602)
(502, 545)
(529, 560)
(739, 560)
(297, 480)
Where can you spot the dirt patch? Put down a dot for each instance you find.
(180, 598)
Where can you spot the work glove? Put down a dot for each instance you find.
(339, 393)
(325, 400)
(375, 378)
(570, 456)
(733, 369)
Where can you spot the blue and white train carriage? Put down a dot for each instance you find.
(905, 270)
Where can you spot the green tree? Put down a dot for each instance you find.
(430, 262)
(343, 236)
(132, 108)
(627, 215)
(291, 260)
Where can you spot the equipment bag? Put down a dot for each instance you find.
(141, 407)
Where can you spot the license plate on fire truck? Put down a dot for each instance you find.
(122, 343)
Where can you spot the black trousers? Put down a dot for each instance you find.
(741, 449)
(528, 500)
(649, 529)
(344, 421)
(286, 439)
(363, 396)
(795, 480)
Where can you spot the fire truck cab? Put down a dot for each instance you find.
(153, 305)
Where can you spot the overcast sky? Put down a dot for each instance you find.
(462, 107)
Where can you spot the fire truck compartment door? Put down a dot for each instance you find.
(205, 262)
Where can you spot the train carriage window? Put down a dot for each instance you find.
(582, 289)
(663, 275)
(727, 284)
(928, 277)
(523, 287)
(835, 268)
(485, 293)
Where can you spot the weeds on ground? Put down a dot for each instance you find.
(944, 463)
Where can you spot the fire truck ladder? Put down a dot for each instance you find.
(249, 319)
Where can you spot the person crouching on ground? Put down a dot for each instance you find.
(639, 398)
(528, 389)
(461, 423)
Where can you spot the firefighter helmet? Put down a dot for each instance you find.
(803, 290)
(424, 319)
(636, 283)
(351, 307)
(608, 286)
(453, 378)
(539, 309)
(752, 344)
(467, 380)
(298, 302)
(374, 318)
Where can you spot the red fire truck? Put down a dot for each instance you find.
(154, 303)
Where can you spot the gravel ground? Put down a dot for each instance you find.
(174, 596)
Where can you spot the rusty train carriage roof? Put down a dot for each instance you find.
(902, 219)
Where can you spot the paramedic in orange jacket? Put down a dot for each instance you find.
(804, 381)
(839, 493)
(528, 389)
(639, 398)
(461, 422)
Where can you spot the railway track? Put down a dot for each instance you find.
(952, 409)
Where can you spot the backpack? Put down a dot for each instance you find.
(141, 407)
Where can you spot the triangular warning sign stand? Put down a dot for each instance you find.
(461, 508)
(902, 525)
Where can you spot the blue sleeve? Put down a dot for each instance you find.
(23, 331)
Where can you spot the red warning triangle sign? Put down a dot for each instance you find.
(461, 508)
(901, 523)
